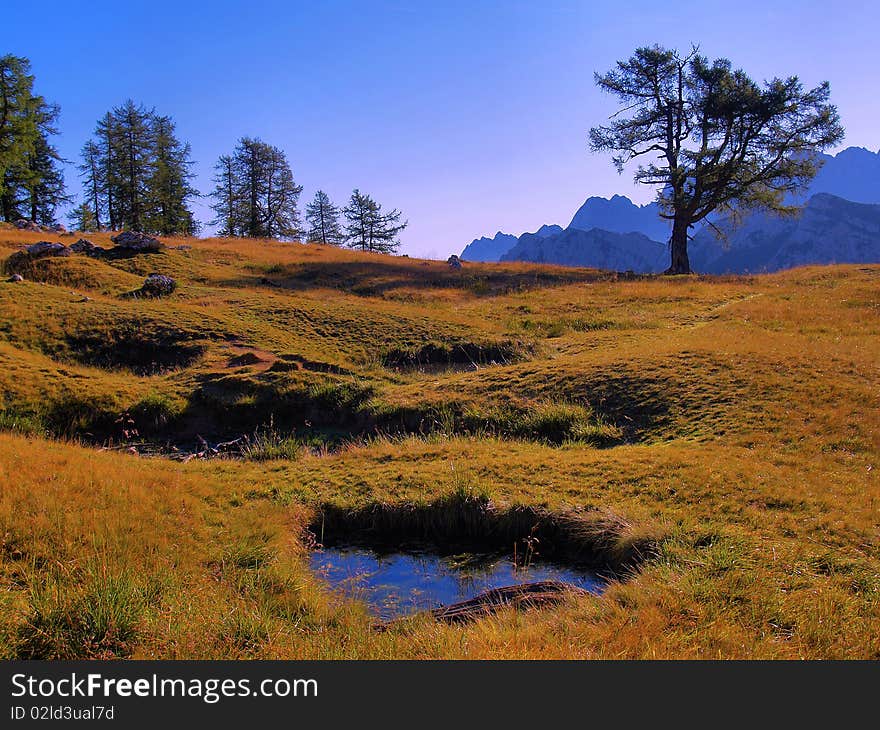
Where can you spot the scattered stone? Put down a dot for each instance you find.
(157, 285)
(184, 247)
(16, 278)
(86, 247)
(26, 225)
(137, 242)
(56, 228)
(454, 262)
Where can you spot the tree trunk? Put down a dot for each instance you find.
(680, 263)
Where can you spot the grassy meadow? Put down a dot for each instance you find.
(722, 432)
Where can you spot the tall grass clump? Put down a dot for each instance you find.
(99, 618)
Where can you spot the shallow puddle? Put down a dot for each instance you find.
(397, 583)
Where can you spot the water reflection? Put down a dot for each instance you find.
(394, 584)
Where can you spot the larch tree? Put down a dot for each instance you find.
(134, 142)
(91, 170)
(169, 186)
(322, 218)
(368, 228)
(721, 142)
(137, 173)
(82, 218)
(31, 177)
(226, 194)
(255, 194)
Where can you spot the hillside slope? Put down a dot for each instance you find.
(722, 427)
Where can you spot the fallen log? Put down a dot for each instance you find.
(525, 595)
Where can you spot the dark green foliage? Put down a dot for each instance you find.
(31, 180)
(168, 187)
(255, 194)
(136, 173)
(723, 143)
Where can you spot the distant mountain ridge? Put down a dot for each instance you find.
(830, 229)
(595, 248)
(621, 215)
(489, 249)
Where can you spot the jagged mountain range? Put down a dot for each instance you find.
(839, 223)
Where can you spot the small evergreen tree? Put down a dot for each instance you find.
(367, 228)
(91, 170)
(227, 201)
(82, 218)
(322, 218)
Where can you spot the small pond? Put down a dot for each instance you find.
(397, 583)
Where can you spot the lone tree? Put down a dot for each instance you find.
(723, 142)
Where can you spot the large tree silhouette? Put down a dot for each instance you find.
(722, 142)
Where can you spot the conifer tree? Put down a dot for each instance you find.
(255, 194)
(92, 172)
(82, 218)
(31, 179)
(718, 141)
(137, 172)
(367, 228)
(168, 186)
(322, 218)
(227, 200)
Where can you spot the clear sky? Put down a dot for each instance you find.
(471, 117)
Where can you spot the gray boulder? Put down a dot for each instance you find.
(157, 285)
(42, 249)
(16, 278)
(86, 247)
(454, 262)
(137, 242)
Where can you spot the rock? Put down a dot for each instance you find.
(86, 247)
(16, 278)
(137, 242)
(56, 228)
(157, 285)
(246, 358)
(454, 262)
(26, 225)
(41, 249)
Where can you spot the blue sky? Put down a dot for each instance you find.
(471, 117)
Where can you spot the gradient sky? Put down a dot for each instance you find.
(471, 117)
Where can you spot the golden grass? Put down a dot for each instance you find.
(746, 450)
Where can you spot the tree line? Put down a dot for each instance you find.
(137, 174)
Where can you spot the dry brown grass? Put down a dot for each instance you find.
(746, 451)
